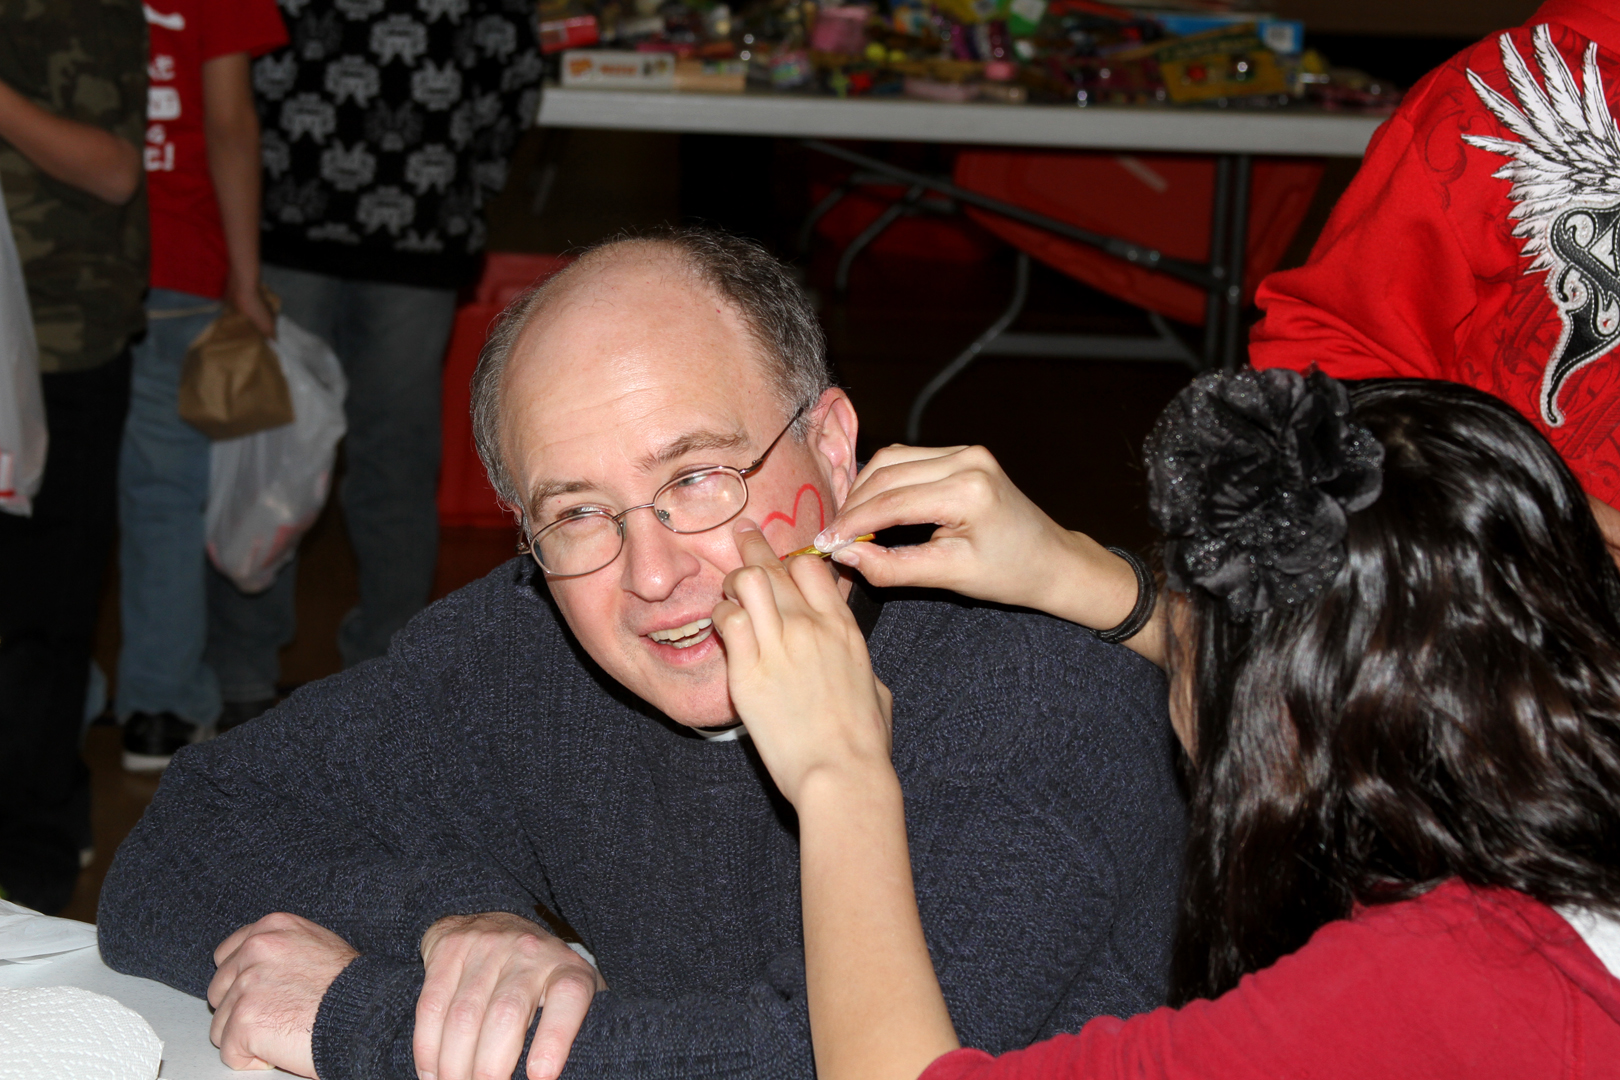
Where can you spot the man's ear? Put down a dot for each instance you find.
(834, 440)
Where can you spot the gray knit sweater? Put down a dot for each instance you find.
(486, 764)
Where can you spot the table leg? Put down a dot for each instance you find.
(1237, 261)
(971, 353)
(1215, 295)
(871, 233)
(807, 231)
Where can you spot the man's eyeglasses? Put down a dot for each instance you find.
(583, 541)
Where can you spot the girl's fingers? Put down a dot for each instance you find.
(897, 454)
(926, 504)
(817, 585)
(751, 588)
(761, 585)
(883, 474)
(879, 477)
(932, 565)
(752, 545)
(737, 631)
(923, 492)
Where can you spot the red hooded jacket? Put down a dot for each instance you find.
(1478, 242)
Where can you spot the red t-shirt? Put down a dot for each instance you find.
(1459, 983)
(188, 244)
(1478, 244)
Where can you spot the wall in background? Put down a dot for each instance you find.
(1434, 18)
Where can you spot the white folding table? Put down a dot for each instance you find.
(180, 1020)
(1290, 131)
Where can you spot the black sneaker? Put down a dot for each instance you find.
(151, 739)
(237, 713)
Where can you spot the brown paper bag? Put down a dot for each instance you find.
(231, 384)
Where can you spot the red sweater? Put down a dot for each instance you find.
(1478, 244)
(1465, 983)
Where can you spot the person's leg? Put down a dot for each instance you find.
(391, 342)
(52, 567)
(246, 631)
(162, 497)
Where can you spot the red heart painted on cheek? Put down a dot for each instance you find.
(777, 515)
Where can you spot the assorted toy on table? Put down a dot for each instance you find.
(1178, 52)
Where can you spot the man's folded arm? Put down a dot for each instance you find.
(761, 1032)
(283, 817)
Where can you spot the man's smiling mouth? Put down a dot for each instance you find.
(684, 637)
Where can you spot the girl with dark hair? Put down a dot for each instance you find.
(1390, 627)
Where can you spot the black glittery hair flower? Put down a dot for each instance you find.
(1250, 478)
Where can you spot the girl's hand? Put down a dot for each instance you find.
(991, 543)
(798, 669)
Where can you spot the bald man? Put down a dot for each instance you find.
(353, 880)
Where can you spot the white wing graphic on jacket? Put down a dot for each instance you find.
(1565, 171)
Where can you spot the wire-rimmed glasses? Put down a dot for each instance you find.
(585, 540)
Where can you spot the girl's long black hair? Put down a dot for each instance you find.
(1447, 707)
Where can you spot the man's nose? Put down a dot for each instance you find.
(655, 559)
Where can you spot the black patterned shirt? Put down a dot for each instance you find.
(386, 126)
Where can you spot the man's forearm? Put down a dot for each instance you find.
(82, 155)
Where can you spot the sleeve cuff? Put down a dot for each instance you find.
(365, 1012)
(394, 918)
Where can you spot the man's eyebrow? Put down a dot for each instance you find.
(547, 489)
(692, 442)
(689, 443)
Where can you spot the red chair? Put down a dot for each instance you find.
(1162, 201)
(465, 496)
(1145, 215)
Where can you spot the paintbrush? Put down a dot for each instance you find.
(818, 553)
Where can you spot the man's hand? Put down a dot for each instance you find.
(268, 987)
(486, 976)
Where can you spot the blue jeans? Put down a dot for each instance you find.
(391, 341)
(162, 496)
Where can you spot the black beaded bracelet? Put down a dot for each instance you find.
(1147, 591)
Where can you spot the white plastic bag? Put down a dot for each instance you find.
(265, 489)
(22, 404)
